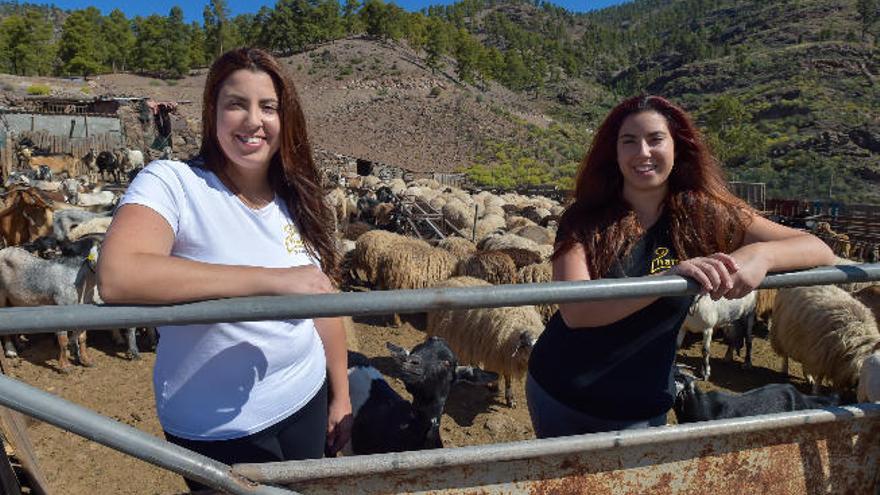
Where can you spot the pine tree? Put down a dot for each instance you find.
(197, 55)
(149, 49)
(383, 21)
(416, 31)
(869, 12)
(177, 43)
(350, 19)
(221, 34)
(436, 44)
(326, 16)
(292, 27)
(26, 46)
(118, 40)
(467, 55)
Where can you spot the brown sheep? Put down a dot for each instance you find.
(497, 339)
(355, 229)
(521, 257)
(870, 297)
(368, 249)
(494, 267)
(459, 246)
(536, 274)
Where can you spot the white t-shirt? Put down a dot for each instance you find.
(227, 380)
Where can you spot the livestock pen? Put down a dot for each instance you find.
(828, 451)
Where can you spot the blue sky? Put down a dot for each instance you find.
(192, 9)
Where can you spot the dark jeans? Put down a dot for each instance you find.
(552, 418)
(302, 435)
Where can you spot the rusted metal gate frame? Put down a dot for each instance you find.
(129, 440)
(817, 451)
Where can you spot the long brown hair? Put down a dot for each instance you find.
(704, 217)
(292, 170)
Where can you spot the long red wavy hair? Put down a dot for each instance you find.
(704, 216)
(292, 171)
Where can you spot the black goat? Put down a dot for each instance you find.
(692, 404)
(44, 247)
(107, 162)
(738, 334)
(383, 420)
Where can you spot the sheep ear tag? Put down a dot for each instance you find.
(93, 255)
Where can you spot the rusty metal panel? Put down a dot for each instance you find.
(835, 451)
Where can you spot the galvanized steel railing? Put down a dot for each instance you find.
(49, 318)
(61, 413)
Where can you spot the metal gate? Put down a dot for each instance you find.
(829, 451)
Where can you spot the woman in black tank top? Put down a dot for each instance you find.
(649, 199)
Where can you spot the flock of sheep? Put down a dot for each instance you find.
(496, 239)
(831, 330)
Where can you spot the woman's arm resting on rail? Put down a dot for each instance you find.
(135, 267)
(714, 273)
(770, 247)
(339, 421)
(571, 266)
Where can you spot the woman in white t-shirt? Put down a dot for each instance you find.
(247, 219)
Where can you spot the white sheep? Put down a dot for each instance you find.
(828, 331)
(705, 315)
(497, 339)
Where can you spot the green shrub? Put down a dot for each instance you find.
(39, 89)
(171, 82)
(85, 90)
(435, 91)
(155, 82)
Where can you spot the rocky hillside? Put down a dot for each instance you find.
(786, 91)
(362, 98)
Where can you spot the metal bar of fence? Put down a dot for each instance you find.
(448, 458)
(49, 318)
(86, 423)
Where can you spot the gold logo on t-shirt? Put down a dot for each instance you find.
(292, 241)
(661, 260)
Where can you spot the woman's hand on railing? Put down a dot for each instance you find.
(714, 273)
(753, 266)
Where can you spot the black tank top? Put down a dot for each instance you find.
(622, 370)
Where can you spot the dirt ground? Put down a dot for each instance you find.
(122, 390)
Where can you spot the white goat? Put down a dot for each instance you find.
(26, 280)
(705, 315)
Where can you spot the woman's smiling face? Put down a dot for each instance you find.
(645, 151)
(248, 124)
